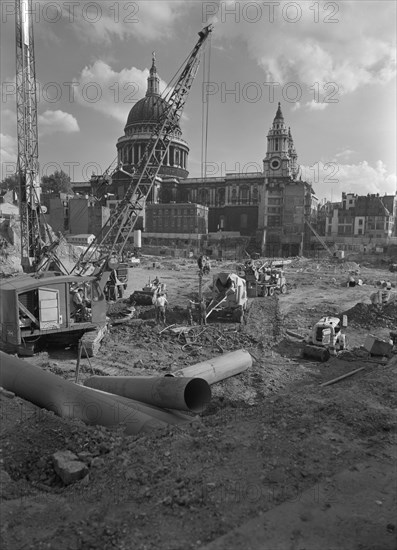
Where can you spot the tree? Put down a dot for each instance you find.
(58, 182)
(10, 183)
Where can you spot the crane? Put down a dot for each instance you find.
(36, 254)
(32, 309)
(119, 227)
(27, 136)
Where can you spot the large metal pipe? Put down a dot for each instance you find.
(185, 394)
(167, 416)
(316, 352)
(69, 400)
(217, 369)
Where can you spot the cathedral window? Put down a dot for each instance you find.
(234, 195)
(244, 194)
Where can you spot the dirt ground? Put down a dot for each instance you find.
(275, 462)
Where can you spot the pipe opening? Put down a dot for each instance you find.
(197, 395)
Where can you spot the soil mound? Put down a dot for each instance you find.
(367, 315)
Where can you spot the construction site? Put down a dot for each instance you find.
(162, 403)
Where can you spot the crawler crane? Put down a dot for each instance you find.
(40, 306)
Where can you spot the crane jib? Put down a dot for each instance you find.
(142, 182)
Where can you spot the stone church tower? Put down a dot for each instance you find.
(286, 201)
(281, 160)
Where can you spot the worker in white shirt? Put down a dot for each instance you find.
(160, 301)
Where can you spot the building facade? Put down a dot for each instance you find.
(74, 214)
(173, 218)
(361, 221)
(271, 206)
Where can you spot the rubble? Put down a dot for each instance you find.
(267, 435)
(367, 315)
(68, 467)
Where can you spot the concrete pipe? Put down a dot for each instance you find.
(166, 416)
(217, 369)
(69, 400)
(186, 394)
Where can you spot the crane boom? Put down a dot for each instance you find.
(119, 227)
(27, 135)
(319, 238)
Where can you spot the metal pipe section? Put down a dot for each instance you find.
(185, 394)
(69, 400)
(217, 369)
(316, 352)
(166, 416)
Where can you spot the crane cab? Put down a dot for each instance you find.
(35, 309)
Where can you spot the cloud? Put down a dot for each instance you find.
(352, 44)
(144, 20)
(331, 179)
(9, 119)
(8, 149)
(345, 154)
(316, 106)
(57, 121)
(111, 93)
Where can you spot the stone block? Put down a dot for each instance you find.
(69, 467)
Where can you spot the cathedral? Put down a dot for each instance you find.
(270, 207)
(141, 121)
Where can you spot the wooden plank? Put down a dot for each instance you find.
(28, 313)
(341, 377)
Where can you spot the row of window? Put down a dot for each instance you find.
(132, 154)
(173, 212)
(145, 130)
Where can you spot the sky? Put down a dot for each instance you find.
(332, 66)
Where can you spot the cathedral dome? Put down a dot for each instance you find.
(142, 120)
(148, 110)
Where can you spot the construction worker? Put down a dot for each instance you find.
(190, 313)
(203, 312)
(160, 301)
(115, 286)
(79, 303)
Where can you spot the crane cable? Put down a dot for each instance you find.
(205, 113)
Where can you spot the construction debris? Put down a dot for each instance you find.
(378, 346)
(69, 467)
(177, 464)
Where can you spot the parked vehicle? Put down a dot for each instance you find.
(263, 281)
